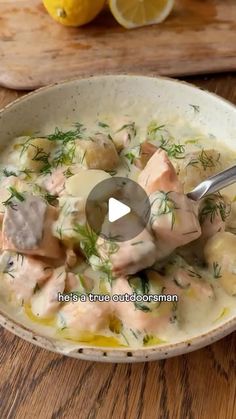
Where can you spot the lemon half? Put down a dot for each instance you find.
(74, 12)
(135, 13)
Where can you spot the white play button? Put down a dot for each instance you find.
(117, 210)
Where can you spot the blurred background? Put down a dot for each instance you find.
(42, 42)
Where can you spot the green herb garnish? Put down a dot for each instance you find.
(166, 206)
(153, 129)
(196, 108)
(176, 151)
(14, 194)
(205, 160)
(216, 270)
(214, 206)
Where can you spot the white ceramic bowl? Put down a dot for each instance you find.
(71, 101)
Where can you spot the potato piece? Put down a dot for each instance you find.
(198, 166)
(220, 255)
(81, 184)
(34, 153)
(98, 152)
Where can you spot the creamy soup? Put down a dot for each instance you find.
(172, 281)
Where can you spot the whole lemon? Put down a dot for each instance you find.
(74, 12)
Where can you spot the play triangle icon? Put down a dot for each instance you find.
(117, 210)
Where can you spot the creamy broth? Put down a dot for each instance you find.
(185, 251)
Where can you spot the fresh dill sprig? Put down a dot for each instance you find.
(194, 274)
(140, 286)
(103, 124)
(196, 108)
(64, 156)
(153, 129)
(166, 206)
(213, 206)
(216, 270)
(176, 151)
(205, 160)
(67, 136)
(130, 128)
(88, 240)
(14, 194)
(68, 173)
(40, 155)
(8, 173)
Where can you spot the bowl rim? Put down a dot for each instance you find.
(117, 354)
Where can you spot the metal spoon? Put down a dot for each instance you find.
(213, 184)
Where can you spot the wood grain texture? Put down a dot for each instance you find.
(198, 37)
(35, 384)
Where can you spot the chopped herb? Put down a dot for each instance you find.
(205, 160)
(174, 316)
(152, 130)
(64, 156)
(115, 324)
(131, 130)
(40, 155)
(196, 108)
(216, 270)
(140, 285)
(27, 173)
(14, 194)
(176, 151)
(213, 206)
(193, 274)
(166, 206)
(9, 268)
(111, 172)
(133, 333)
(8, 173)
(36, 288)
(103, 125)
(68, 173)
(51, 199)
(131, 157)
(67, 136)
(136, 243)
(88, 240)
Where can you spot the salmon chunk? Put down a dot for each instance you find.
(146, 152)
(159, 174)
(22, 274)
(27, 228)
(145, 317)
(173, 221)
(130, 256)
(45, 302)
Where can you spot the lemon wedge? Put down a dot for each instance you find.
(135, 13)
(74, 12)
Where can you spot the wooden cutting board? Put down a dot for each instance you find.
(198, 37)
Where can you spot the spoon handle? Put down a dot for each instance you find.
(213, 184)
